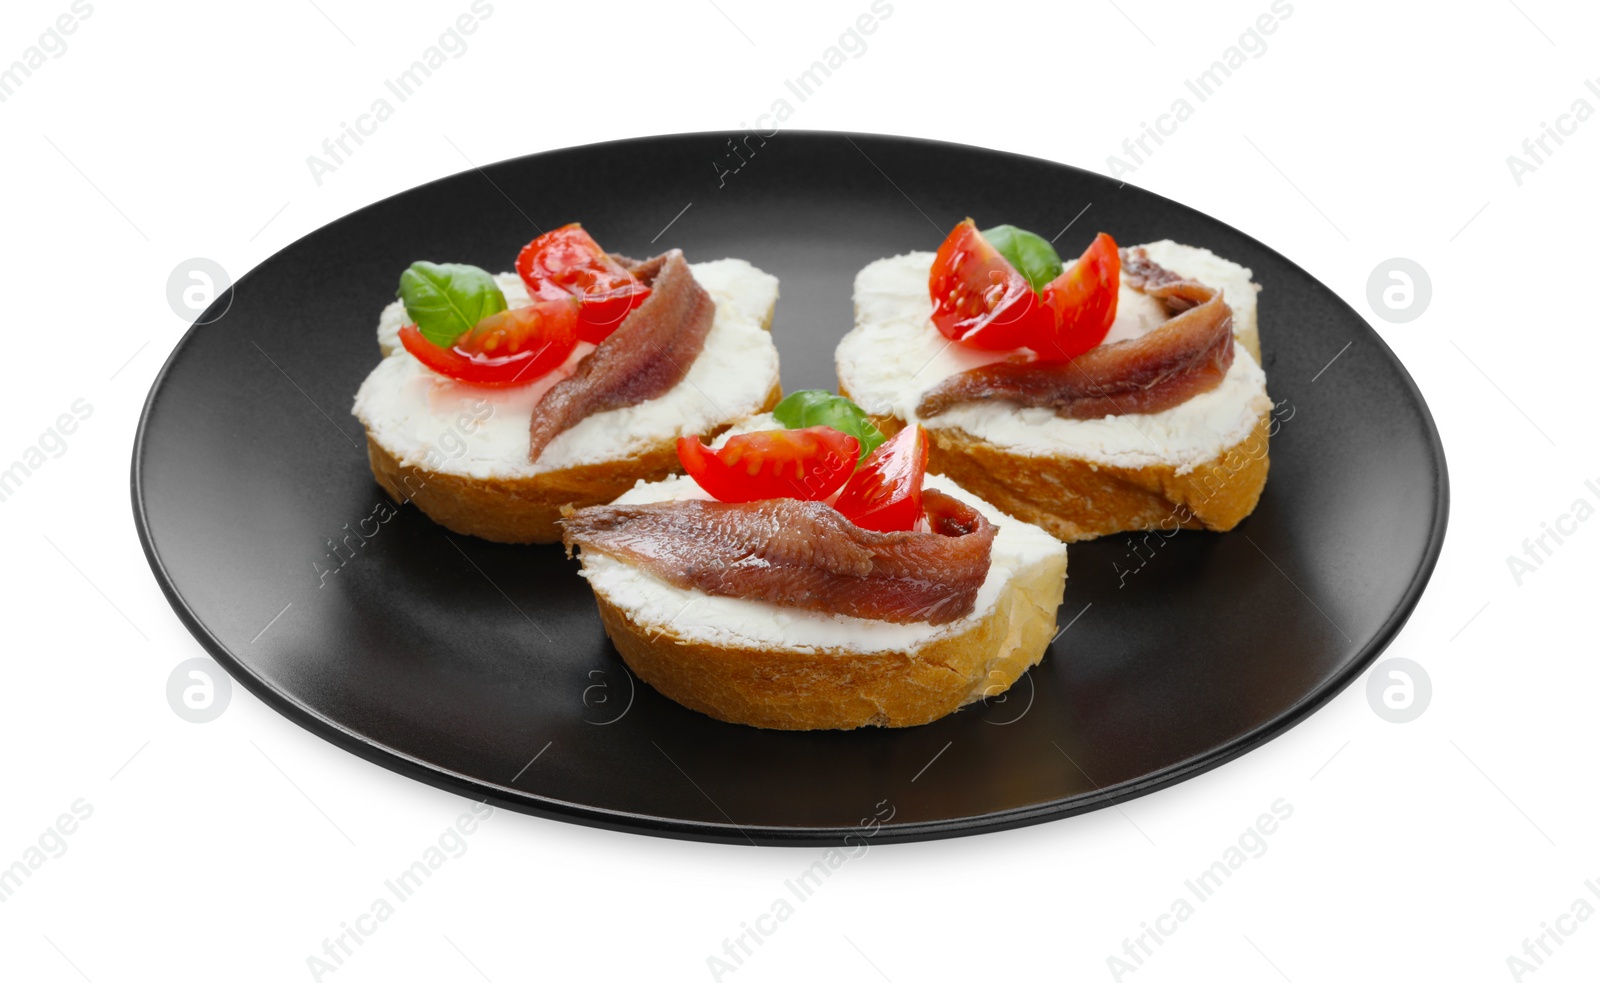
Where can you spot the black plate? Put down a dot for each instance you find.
(458, 662)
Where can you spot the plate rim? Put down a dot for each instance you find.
(531, 803)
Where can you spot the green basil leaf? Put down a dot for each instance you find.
(1033, 257)
(446, 300)
(820, 408)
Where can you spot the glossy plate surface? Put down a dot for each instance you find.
(458, 662)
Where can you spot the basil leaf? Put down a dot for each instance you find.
(1033, 257)
(446, 300)
(818, 407)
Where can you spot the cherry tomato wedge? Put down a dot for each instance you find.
(807, 464)
(569, 263)
(511, 348)
(886, 493)
(1083, 303)
(979, 298)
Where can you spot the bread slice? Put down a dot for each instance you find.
(459, 453)
(524, 509)
(1200, 465)
(749, 662)
(1075, 500)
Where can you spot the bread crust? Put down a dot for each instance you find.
(525, 509)
(788, 688)
(1074, 499)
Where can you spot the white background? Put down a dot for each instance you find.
(231, 850)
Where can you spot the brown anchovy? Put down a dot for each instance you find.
(648, 354)
(800, 554)
(1188, 355)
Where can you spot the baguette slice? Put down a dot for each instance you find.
(750, 662)
(1076, 500)
(524, 509)
(1200, 465)
(459, 453)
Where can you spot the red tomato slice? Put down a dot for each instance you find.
(568, 262)
(512, 348)
(1083, 301)
(807, 464)
(979, 298)
(886, 494)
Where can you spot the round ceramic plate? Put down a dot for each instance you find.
(483, 668)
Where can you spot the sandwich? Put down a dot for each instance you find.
(503, 398)
(807, 573)
(1123, 391)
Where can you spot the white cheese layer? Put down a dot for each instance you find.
(428, 420)
(895, 354)
(732, 621)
